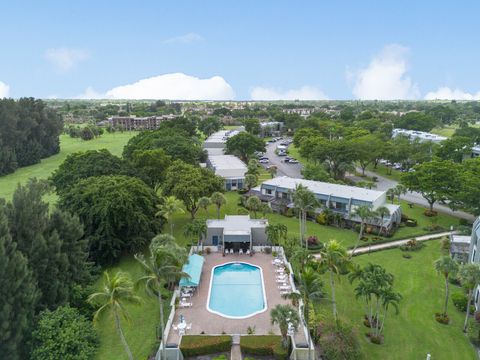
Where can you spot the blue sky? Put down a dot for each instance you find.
(240, 50)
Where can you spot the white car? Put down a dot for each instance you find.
(293, 161)
(263, 161)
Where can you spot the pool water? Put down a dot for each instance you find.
(237, 291)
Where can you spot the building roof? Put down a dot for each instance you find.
(421, 135)
(227, 166)
(465, 239)
(237, 224)
(221, 136)
(324, 188)
(194, 270)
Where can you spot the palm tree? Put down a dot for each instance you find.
(389, 298)
(447, 267)
(171, 206)
(254, 204)
(219, 200)
(391, 194)
(400, 190)
(469, 277)
(265, 209)
(275, 233)
(283, 315)
(116, 292)
(197, 229)
(311, 290)
(304, 201)
(272, 170)
(382, 212)
(364, 212)
(203, 203)
(333, 258)
(162, 266)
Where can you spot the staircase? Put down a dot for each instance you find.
(236, 352)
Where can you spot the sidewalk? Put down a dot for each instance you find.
(393, 244)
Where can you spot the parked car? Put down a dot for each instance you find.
(282, 153)
(264, 161)
(293, 161)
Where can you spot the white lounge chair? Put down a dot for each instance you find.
(240, 252)
(285, 292)
(175, 327)
(284, 287)
(248, 252)
(185, 304)
(189, 326)
(231, 251)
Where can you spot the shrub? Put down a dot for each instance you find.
(220, 357)
(321, 219)
(407, 256)
(412, 245)
(340, 342)
(195, 345)
(289, 213)
(312, 240)
(267, 250)
(376, 339)
(473, 332)
(430, 213)
(264, 345)
(463, 222)
(208, 250)
(411, 223)
(460, 300)
(442, 318)
(251, 330)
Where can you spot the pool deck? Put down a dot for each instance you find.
(204, 321)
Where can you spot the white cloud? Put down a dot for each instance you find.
(4, 90)
(65, 59)
(446, 93)
(175, 86)
(386, 77)
(184, 39)
(303, 93)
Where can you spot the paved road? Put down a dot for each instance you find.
(284, 169)
(393, 244)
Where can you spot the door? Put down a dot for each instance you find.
(215, 240)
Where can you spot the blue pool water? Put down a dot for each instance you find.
(236, 290)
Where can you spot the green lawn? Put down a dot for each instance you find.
(113, 142)
(413, 332)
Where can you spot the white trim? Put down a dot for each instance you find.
(265, 305)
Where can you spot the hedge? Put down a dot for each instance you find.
(195, 345)
(264, 345)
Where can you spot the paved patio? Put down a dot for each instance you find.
(204, 321)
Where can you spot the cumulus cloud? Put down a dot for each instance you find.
(446, 93)
(386, 77)
(175, 86)
(303, 93)
(4, 90)
(65, 59)
(184, 39)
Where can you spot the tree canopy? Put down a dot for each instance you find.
(244, 145)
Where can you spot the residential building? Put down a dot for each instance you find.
(236, 232)
(229, 167)
(217, 140)
(271, 128)
(475, 152)
(474, 256)
(129, 123)
(420, 135)
(460, 247)
(341, 199)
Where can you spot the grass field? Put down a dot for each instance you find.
(113, 142)
(413, 332)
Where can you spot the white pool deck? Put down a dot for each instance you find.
(212, 324)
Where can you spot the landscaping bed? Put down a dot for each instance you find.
(263, 345)
(195, 345)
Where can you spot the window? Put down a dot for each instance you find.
(268, 191)
(474, 252)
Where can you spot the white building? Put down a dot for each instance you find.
(420, 135)
(217, 140)
(229, 167)
(474, 256)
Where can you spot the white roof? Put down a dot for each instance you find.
(227, 166)
(421, 135)
(237, 224)
(324, 188)
(221, 137)
(461, 239)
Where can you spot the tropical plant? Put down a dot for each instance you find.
(365, 213)
(447, 267)
(391, 194)
(250, 181)
(117, 291)
(304, 201)
(276, 233)
(204, 202)
(283, 315)
(382, 213)
(254, 204)
(272, 170)
(163, 265)
(196, 229)
(170, 206)
(469, 275)
(253, 167)
(333, 259)
(399, 190)
(219, 200)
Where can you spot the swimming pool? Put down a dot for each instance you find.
(236, 290)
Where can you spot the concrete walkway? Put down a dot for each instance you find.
(236, 352)
(393, 244)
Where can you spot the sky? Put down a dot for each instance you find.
(240, 50)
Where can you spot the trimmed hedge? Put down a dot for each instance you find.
(195, 345)
(264, 345)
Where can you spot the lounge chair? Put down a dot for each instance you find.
(175, 327)
(284, 287)
(248, 252)
(240, 252)
(189, 326)
(285, 292)
(231, 251)
(185, 304)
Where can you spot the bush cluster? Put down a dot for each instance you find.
(264, 345)
(412, 245)
(195, 345)
(442, 318)
(460, 300)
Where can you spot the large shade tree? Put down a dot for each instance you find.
(244, 145)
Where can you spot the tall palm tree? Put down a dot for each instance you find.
(283, 315)
(171, 206)
(365, 213)
(382, 213)
(311, 290)
(400, 190)
(447, 267)
(116, 292)
(203, 203)
(391, 194)
(389, 298)
(469, 277)
(276, 233)
(272, 170)
(304, 201)
(197, 229)
(333, 258)
(254, 204)
(162, 266)
(219, 200)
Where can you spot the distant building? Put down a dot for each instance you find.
(474, 256)
(420, 135)
(475, 152)
(271, 128)
(236, 231)
(129, 123)
(303, 112)
(229, 167)
(341, 199)
(218, 140)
